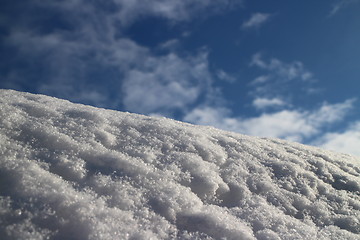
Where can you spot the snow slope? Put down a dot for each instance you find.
(69, 171)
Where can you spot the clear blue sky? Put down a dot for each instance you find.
(287, 69)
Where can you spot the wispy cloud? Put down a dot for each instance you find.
(222, 75)
(279, 77)
(340, 4)
(129, 11)
(256, 20)
(347, 141)
(86, 52)
(285, 71)
(264, 103)
(278, 116)
(294, 125)
(166, 84)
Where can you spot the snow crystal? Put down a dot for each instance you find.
(69, 171)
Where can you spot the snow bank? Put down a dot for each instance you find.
(69, 171)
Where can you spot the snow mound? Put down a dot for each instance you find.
(69, 171)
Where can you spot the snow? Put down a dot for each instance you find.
(70, 171)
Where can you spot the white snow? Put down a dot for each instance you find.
(69, 171)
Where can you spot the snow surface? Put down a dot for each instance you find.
(69, 171)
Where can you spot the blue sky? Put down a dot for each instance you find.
(286, 69)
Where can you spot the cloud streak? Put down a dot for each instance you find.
(256, 20)
(86, 52)
(294, 125)
(264, 103)
(283, 70)
(278, 117)
(340, 4)
(164, 85)
(278, 77)
(126, 12)
(347, 141)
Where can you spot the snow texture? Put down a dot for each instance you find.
(69, 171)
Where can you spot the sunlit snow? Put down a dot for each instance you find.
(69, 171)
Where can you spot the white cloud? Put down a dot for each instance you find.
(166, 84)
(263, 103)
(171, 44)
(279, 77)
(329, 113)
(346, 142)
(225, 76)
(75, 69)
(285, 71)
(128, 11)
(92, 55)
(260, 79)
(340, 4)
(256, 20)
(294, 125)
